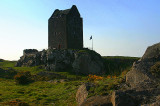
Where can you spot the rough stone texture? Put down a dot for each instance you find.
(29, 51)
(140, 75)
(88, 63)
(130, 97)
(143, 86)
(120, 98)
(143, 89)
(81, 94)
(31, 57)
(79, 61)
(152, 52)
(59, 60)
(157, 103)
(135, 97)
(65, 29)
(98, 101)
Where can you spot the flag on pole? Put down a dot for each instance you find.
(90, 38)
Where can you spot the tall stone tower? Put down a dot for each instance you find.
(65, 29)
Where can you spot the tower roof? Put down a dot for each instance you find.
(58, 12)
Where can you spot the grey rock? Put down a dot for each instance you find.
(98, 101)
(135, 97)
(120, 98)
(29, 51)
(152, 52)
(59, 60)
(82, 93)
(143, 86)
(140, 75)
(88, 63)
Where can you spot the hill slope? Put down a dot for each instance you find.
(58, 88)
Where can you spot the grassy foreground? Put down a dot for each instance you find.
(59, 91)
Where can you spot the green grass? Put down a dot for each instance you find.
(6, 64)
(39, 93)
(33, 70)
(107, 85)
(116, 64)
(56, 93)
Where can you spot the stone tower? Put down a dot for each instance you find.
(65, 29)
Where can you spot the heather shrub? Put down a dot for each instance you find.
(23, 77)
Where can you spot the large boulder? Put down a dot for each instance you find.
(121, 98)
(98, 101)
(59, 60)
(83, 100)
(144, 79)
(152, 53)
(82, 94)
(135, 97)
(141, 75)
(88, 62)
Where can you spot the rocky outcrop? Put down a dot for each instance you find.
(79, 61)
(98, 101)
(152, 53)
(130, 97)
(135, 97)
(31, 57)
(156, 103)
(88, 62)
(140, 75)
(142, 84)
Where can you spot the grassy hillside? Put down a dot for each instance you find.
(60, 88)
(117, 64)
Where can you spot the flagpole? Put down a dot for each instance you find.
(92, 42)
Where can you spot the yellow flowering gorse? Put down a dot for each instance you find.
(94, 78)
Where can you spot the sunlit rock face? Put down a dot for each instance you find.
(78, 61)
(141, 73)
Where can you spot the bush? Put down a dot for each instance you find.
(23, 77)
(155, 69)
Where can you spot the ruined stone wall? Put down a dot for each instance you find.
(30, 51)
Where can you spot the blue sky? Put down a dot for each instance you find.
(119, 27)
